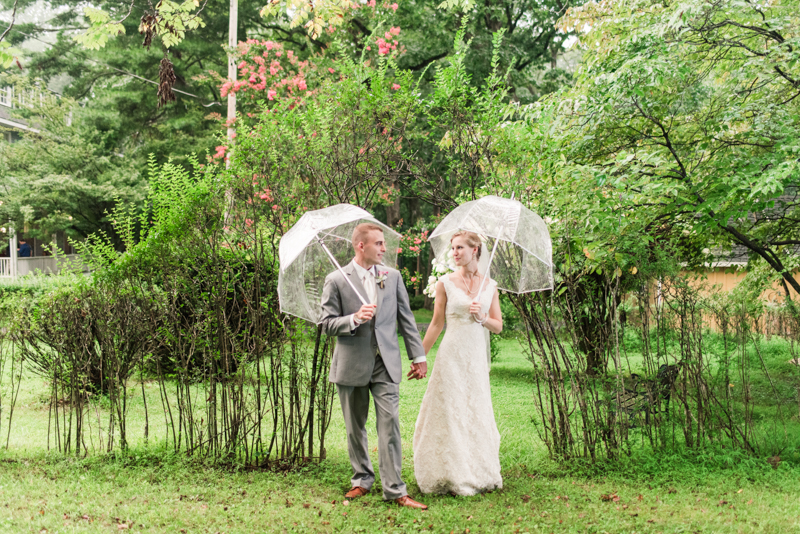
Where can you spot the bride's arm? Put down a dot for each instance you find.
(494, 321)
(437, 323)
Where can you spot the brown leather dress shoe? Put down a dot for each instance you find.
(355, 492)
(410, 503)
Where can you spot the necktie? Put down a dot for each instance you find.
(369, 287)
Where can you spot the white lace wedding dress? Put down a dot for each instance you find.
(456, 442)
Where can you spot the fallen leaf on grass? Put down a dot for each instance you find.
(346, 503)
(672, 490)
(610, 497)
(526, 498)
(750, 501)
(640, 498)
(741, 490)
(122, 526)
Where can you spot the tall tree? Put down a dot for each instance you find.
(686, 116)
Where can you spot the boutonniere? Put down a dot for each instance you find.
(381, 278)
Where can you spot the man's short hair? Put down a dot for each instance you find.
(360, 232)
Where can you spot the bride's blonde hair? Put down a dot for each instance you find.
(473, 240)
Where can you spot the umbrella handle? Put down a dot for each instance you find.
(486, 274)
(491, 259)
(339, 268)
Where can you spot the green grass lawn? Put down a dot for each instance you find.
(423, 316)
(150, 490)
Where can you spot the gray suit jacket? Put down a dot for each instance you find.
(354, 356)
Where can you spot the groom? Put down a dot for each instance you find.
(367, 359)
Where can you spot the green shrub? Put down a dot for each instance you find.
(417, 302)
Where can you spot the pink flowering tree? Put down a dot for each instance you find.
(319, 132)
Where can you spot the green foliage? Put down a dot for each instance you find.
(65, 175)
(7, 54)
(679, 125)
(417, 302)
(101, 28)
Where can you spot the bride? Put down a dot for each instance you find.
(456, 442)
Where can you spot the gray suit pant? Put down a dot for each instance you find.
(355, 407)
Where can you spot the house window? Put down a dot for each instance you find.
(6, 94)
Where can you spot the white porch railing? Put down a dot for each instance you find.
(39, 264)
(5, 267)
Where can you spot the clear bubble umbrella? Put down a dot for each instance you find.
(316, 245)
(521, 253)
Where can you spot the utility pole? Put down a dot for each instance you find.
(232, 42)
(12, 252)
(233, 17)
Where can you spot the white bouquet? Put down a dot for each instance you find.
(441, 267)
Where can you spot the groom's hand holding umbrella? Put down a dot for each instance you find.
(366, 313)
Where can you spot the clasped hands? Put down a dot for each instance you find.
(418, 371)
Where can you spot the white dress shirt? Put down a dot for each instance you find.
(367, 277)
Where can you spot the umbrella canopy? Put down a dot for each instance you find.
(521, 258)
(315, 246)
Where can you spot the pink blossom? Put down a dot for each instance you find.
(270, 45)
(395, 30)
(331, 70)
(395, 87)
(417, 241)
(369, 48)
(242, 65)
(302, 85)
(371, 3)
(220, 151)
(387, 36)
(271, 94)
(394, 6)
(399, 250)
(275, 207)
